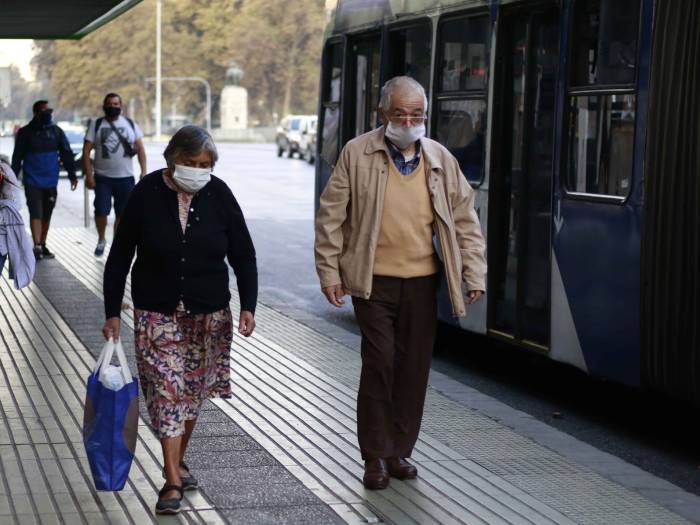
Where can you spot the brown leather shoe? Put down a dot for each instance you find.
(399, 468)
(376, 475)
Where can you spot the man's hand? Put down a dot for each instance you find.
(334, 294)
(90, 182)
(73, 184)
(246, 323)
(474, 296)
(111, 328)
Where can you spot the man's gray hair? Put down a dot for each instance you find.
(403, 83)
(190, 141)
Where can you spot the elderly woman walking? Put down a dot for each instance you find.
(183, 223)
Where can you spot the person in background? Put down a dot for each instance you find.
(38, 147)
(394, 196)
(183, 223)
(15, 244)
(116, 140)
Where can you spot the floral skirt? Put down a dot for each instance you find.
(182, 360)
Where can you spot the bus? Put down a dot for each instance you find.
(577, 123)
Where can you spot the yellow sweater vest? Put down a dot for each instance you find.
(405, 243)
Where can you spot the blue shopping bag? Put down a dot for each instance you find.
(110, 423)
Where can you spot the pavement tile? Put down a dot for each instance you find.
(118, 517)
(65, 502)
(22, 503)
(259, 495)
(97, 518)
(28, 519)
(213, 416)
(234, 477)
(217, 444)
(54, 519)
(43, 503)
(306, 515)
(217, 429)
(201, 460)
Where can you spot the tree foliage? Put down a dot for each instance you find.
(276, 43)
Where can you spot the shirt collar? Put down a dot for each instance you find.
(396, 154)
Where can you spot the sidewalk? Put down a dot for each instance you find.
(283, 449)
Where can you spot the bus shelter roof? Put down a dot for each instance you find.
(54, 19)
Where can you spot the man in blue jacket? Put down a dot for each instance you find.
(38, 147)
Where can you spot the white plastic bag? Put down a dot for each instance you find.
(113, 377)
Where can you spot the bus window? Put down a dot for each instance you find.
(409, 49)
(601, 142)
(459, 107)
(463, 54)
(331, 103)
(365, 91)
(460, 124)
(602, 97)
(605, 42)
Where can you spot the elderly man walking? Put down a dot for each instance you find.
(396, 211)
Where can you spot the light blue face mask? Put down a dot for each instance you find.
(190, 179)
(403, 136)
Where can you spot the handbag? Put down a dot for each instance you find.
(110, 421)
(130, 151)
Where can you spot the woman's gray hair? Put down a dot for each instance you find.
(190, 141)
(403, 83)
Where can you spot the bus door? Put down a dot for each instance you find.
(360, 113)
(521, 178)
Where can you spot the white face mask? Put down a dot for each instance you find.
(403, 136)
(191, 179)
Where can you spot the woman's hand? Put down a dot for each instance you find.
(246, 323)
(111, 328)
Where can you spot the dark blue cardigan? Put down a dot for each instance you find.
(171, 266)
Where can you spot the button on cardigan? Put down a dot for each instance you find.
(173, 266)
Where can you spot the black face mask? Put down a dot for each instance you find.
(45, 117)
(112, 112)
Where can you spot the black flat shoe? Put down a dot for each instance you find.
(171, 505)
(189, 482)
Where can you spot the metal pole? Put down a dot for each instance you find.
(86, 205)
(208, 88)
(158, 79)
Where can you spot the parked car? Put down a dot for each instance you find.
(76, 137)
(294, 134)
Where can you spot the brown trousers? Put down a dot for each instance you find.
(398, 324)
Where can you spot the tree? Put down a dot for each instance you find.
(282, 42)
(277, 44)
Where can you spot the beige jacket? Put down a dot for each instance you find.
(350, 212)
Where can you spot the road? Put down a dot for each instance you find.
(276, 195)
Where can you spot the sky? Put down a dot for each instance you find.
(18, 52)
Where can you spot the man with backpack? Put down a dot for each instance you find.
(40, 148)
(116, 139)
